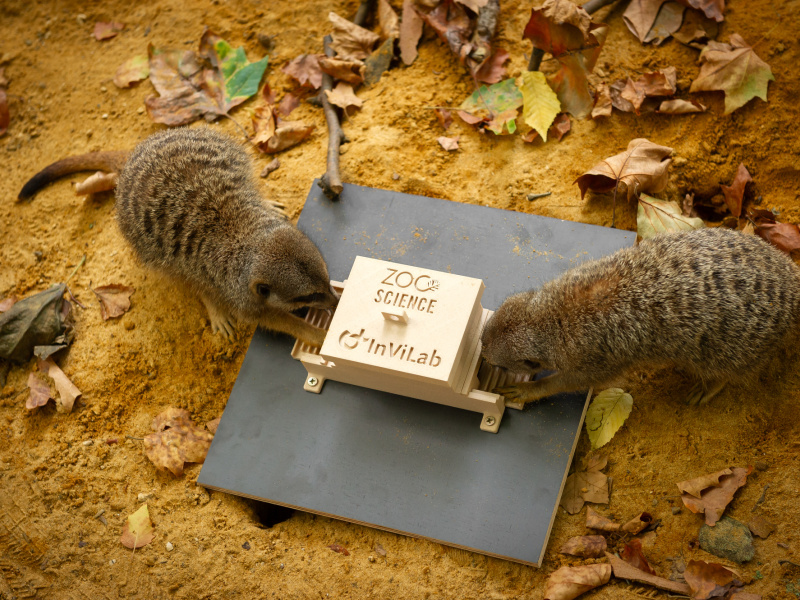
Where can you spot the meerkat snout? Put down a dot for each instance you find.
(509, 338)
(291, 274)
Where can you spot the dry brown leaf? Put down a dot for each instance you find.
(623, 570)
(713, 9)
(734, 194)
(594, 520)
(491, 70)
(94, 184)
(67, 392)
(40, 391)
(586, 485)
(287, 134)
(667, 22)
(410, 32)
(734, 69)
(602, 102)
(638, 523)
(709, 580)
(115, 300)
(379, 550)
(567, 583)
(263, 125)
(273, 165)
(696, 30)
(449, 144)
(695, 487)
(585, 546)
(473, 5)
(132, 71)
(350, 40)
(343, 97)
(560, 127)
(7, 303)
(784, 236)
(641, 15)
(388, 19)
(138, 529)
(712, 501)
(445, 117)
(287, 104)
(641, 168)
(305, 69)
(177, 441)
(340, 549)
(680, 107)
(633, 555)
(349, 70)
(761, 527)
(106, 31)
(212, 425)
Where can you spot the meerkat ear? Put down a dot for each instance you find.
(263, 290)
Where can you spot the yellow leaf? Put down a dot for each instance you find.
(138, 529)
(660, 216)
(606, 414)
(540, 103)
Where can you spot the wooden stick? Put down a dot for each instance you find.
(331, 182)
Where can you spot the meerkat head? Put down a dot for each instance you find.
(510, 339)
(292, 273)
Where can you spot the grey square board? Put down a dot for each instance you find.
(392, 462)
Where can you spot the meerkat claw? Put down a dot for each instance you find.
(701, 393)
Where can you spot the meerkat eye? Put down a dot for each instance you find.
(263, 290)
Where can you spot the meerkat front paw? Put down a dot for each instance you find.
(315, 336)
(526, 391)
(221, 321)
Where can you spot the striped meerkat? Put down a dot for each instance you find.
(189, 204)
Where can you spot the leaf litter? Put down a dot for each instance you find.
(177, 441)
(40, 392)
(138, 529)
(566, 583)
(40, 324)
(718, 492)
(587, 484)
(115, 300)
(585, 546)
(189, 90)
(606, 414)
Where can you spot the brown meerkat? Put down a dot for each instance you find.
(189, 204)
(715, 302)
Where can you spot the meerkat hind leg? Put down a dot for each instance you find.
(221, 321)
(702, 392)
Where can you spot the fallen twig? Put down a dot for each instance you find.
(331, 182)
(537, 196)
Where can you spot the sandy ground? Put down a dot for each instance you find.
(163, 354)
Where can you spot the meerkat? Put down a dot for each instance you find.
(714, 302)
(188, 203)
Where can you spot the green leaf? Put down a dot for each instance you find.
(606, 414)
(244, 82)
(496, 105)
(661, 216)
(541, 103)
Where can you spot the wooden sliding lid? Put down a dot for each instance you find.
(404, 320)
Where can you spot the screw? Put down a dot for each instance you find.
(489, 420)
(312, 381)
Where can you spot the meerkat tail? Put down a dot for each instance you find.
(94, 161)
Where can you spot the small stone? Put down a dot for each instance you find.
(761, 466)
(105, 116)
(170, 547)
(654, 502)
(679, 161)
(676, 510)
(395, 176)
(140, 110)
(144, 496)
(82, 544)
(81, 19)
(38, 254)
(267, 41)
(729, 539)
(28, 42)
(89, 133)
(281, 567)
(272, 166)
(103, 88)
(371, 558)
(150, 561)
(129, 325)
(246, 545)
(113, 561)
(87, 442)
